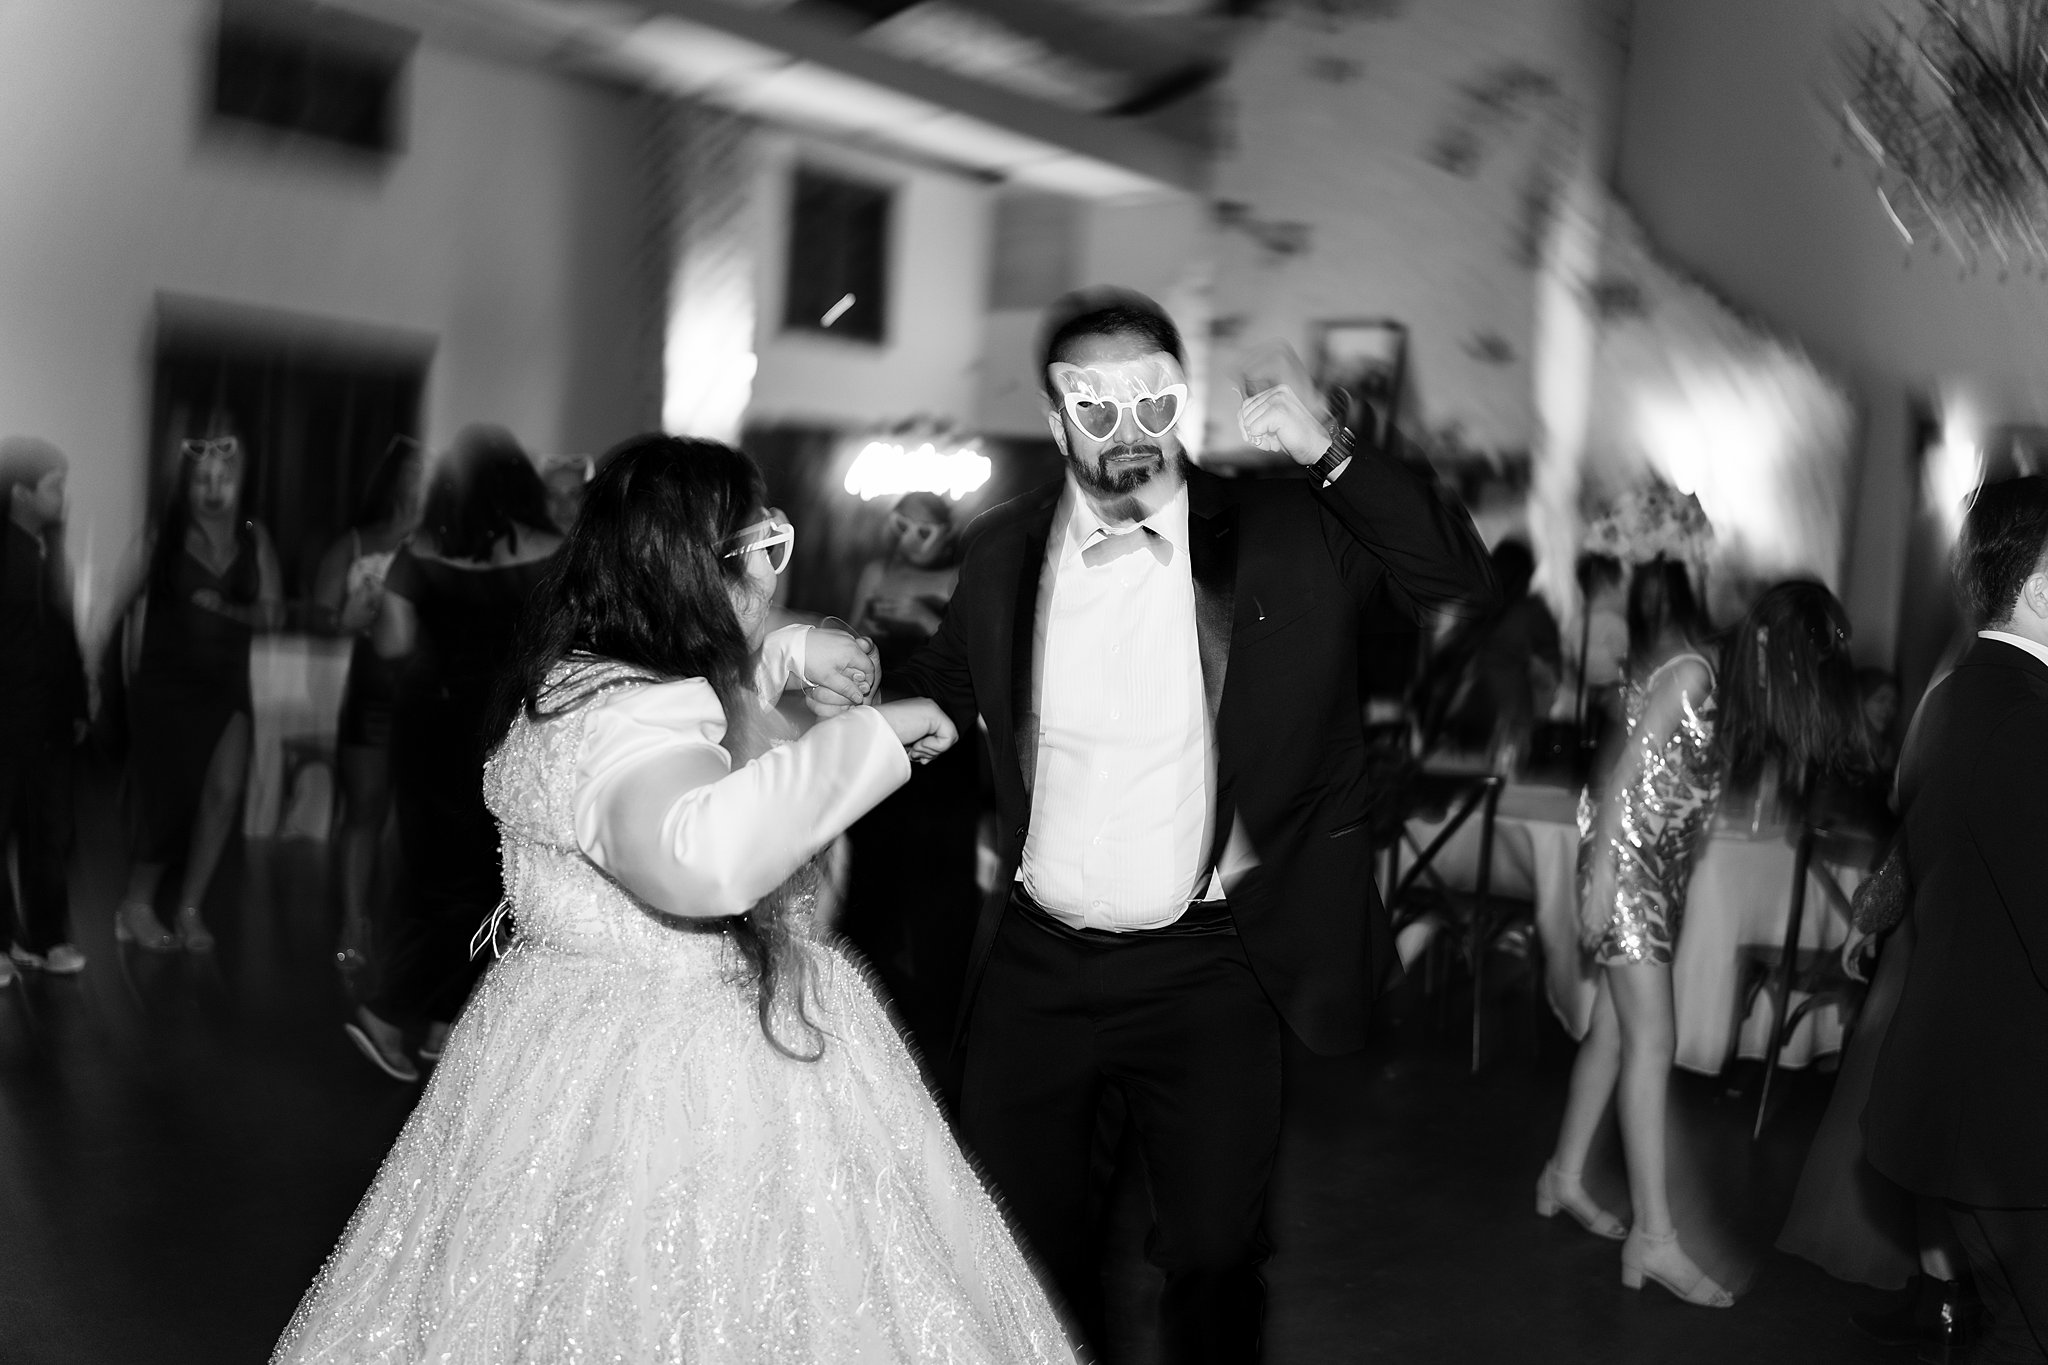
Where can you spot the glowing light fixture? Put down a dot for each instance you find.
(836, 311)
(1953, 469)
(889, 469)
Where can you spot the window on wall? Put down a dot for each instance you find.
(838, 257)
(313, 72)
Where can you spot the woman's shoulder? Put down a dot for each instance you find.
(630, 693)
(1686, 667)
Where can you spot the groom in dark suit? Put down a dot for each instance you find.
(1959, 1103)
(1168, 666)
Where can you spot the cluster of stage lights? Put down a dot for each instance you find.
(886, 469)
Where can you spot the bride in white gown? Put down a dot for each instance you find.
(672, 1124)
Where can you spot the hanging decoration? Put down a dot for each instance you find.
(1651, 521)
(1950, 104)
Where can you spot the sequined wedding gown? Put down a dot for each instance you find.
(610, 1162)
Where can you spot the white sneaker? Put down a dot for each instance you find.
(6, 973)
(63, 960)
(24, 958)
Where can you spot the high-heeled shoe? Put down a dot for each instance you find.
(1556, 1190)
(1644, 1257)
(136, 923)
(192, 931)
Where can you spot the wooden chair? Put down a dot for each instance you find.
(1815, 973)
(1476, 922)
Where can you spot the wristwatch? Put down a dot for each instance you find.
(1343, 442)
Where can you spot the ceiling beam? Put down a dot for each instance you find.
(1148, 154)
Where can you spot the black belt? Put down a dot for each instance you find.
(1201, 919)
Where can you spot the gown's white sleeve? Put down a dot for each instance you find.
(782, 660)
(659, 806)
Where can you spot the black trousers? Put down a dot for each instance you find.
(1177, 1023)
(36, 819)
(452, 878)
(2008, 1252)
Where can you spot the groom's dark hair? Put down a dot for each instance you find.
(1104, 311)
(2004, 538)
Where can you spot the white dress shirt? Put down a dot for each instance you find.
(2016, 641)
(1121, 805)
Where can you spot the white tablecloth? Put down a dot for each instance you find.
(1741, 894)
(296, 682)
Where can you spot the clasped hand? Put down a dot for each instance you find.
(1282, 410)
(840, 671)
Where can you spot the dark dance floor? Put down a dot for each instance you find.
(181, 1140)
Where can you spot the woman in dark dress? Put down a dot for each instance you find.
(212, 581)
(451, 600)
(348, 594)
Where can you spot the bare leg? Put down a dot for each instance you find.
(142, 880)
(1562, 1184)
(220, 802)
(1642, 1003)
(135, 918)
(1642, 1006)
(1592, 1085)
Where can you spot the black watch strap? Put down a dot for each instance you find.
(1342, 444)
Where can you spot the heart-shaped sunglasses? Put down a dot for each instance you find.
(1155, 413)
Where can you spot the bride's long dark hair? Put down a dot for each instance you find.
(641, 581)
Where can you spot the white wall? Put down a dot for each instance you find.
(1333, 119)
(930, 360)
(508, 229)
(1157, 246)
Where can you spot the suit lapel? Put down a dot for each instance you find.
(1212, 563)
(1024, 641)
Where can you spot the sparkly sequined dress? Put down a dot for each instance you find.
(610, 1162)
(1663, 815)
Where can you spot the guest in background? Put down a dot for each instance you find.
(1957, 1111)
(348, 593)
(1603, 643)
(566, 476)
(1878, 692)
(901, 597)
(42, 709)
(1635, 863)
(911, 894)
(1779, 710)
(451, 600)
(1853, 1222)
(211, 582)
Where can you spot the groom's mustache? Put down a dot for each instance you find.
(1129, 452)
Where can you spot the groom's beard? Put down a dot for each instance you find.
(1118, 470)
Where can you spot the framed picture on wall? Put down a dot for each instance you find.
(1361, 366)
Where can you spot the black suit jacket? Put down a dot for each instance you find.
(1283, 570)
(1959, 1104)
